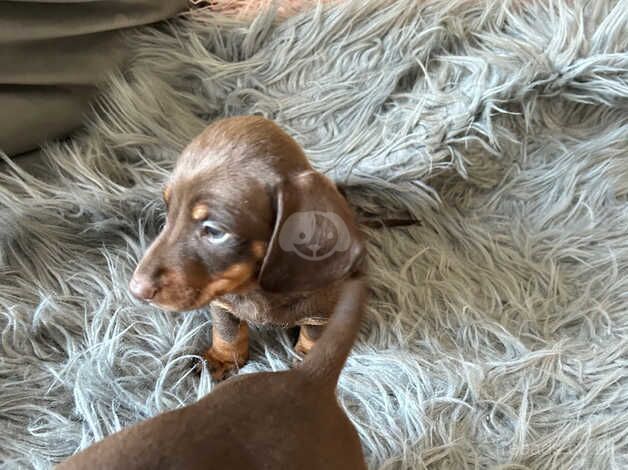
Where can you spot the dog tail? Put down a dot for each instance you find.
(325, 361)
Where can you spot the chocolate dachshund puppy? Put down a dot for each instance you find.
(255, 233)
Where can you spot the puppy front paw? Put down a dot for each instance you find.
(227, 355)
(222, 366)
(304, 344)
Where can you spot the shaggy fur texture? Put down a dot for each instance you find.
(497, 331)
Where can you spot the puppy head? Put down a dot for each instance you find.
(245, 209)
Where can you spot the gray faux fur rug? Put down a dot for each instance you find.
(497, 332)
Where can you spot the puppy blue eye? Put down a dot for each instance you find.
(214, 234)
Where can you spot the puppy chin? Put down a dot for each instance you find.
(184, 306)
(174, 304)
(171, 308)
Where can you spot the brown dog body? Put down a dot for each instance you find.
(270, 420)
(253, 231)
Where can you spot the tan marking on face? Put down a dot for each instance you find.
(234, 278)
(200, 212)
(167, 193)
(258, 248)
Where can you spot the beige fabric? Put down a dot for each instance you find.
(53, 54)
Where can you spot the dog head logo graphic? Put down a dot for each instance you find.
(314, 235)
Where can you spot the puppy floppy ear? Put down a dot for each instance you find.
(315, 240)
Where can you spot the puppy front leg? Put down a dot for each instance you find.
(230, 343)
(308, 335)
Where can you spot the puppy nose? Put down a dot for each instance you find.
(142, 288)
